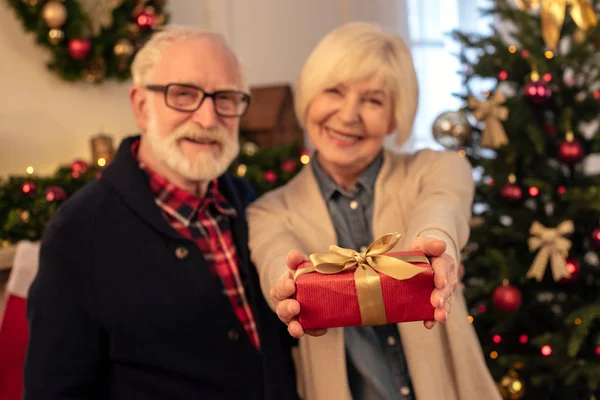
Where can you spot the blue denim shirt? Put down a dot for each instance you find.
(377, 368)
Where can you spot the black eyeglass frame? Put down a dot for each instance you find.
(165, 88)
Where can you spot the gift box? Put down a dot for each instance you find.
(343, 287)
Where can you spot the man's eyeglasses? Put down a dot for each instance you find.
(189, 98)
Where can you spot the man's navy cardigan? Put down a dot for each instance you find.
(123, 307)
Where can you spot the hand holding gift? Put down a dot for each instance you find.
(344, 276)
(283, 292)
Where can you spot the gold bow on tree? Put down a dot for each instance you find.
(367, 264)
(553, 13)
(491, 112)
(552, 246)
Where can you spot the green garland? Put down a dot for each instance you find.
(84, 49)
(24, 214)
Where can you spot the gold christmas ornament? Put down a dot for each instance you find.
(250, 148)
(491, 112)
(123, 48)
(552, 14)
(54, 14)
(25, 216)
(553, 246)
(55, 36)
(511, 387)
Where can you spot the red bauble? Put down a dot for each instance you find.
(79, 166)
(146, 20)
(28, 188)
(574, 268)
(537, 92)
(570, 152)
(79, 48)
(511, 193)
(595, 239)
(506, 298)
(55, 193)
(270, 176)
(289, 165)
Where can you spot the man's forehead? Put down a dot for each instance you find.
(199, 61)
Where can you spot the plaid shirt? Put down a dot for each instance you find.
(206, 222)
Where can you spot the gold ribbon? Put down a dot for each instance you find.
(552, 246)
(553, 13)
(491, 112)
(367, 264)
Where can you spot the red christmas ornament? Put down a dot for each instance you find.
(503, 75)
(511, 193)
(270, 176)
(79, 166)
(28, 188)
(537, 92)
(55, 193)
(79, 48)
(570, 152)
(574, 268)
(506, 298)
(595, 239)
(146, 19)
(523, 338)
(289, 165)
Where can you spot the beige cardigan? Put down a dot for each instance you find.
(429, 193)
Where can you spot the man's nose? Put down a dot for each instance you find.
(206, 116)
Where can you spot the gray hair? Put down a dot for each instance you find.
(149, 55)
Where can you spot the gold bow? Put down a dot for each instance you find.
(491, 112)
(553, 13)
(100, 13)
(552, 245)
(367, 264)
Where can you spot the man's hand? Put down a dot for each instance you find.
(445, 277)
(287, 308)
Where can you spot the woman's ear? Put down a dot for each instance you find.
(138, 99)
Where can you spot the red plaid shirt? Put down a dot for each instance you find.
(206, 222)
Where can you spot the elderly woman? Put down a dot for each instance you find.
(356, 88)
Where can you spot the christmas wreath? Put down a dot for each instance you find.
(91, 40)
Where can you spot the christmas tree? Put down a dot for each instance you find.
(532, 272)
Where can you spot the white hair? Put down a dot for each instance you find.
(149, 55)
(357, 51)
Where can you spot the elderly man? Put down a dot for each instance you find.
(145, 289)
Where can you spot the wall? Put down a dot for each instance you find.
(46, 121)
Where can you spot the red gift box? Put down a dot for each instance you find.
(336, 297)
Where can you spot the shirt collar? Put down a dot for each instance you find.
(179, 203)
(366, 180)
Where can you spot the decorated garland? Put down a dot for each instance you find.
(91, 40)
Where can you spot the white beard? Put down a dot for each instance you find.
(206, 166)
